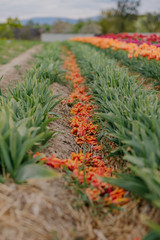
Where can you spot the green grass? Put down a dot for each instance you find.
(10, 50)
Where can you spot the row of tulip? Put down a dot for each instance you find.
(129, 116)
(144, 50)
(86, 167)
(143, 59)
(135, 38)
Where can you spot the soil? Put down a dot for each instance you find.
(64, 143)
(13, 71)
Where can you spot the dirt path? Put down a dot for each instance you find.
(12, 71)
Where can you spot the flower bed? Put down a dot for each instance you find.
(144, 50)
(139, 39)
(143, 58)
(87, 167)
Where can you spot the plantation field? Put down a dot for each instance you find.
(12, 48)
(79, 142)
(137, 52)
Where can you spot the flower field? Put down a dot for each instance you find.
(132, 51)
(114, 170)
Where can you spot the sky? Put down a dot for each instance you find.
(25, 9)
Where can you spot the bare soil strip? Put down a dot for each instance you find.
(64, 143)
(12, 71)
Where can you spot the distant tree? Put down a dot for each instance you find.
(13, 22)
(127, 12)
(128, 8)
(7, 29)
(151, 22)
(77, 27)
(47, 28)
(62, 27)
(91, 27)
(108, 21)
(122, 18)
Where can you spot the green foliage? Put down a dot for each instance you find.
(48, 63)
(6, 29)
(16, 139)
(125, 18)
(148, 23)
(33, 171)
(47, 28)
(120, 19)
(77, 27)
(129, 115)
(24, 118)
(13, 22)
(148, 68)
(155, 233)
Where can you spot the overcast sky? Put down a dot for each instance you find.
(25, 9)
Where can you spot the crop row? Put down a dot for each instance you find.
(130, 117)
(25, 111)
(132, 56)
(86, 166)
(144, 50)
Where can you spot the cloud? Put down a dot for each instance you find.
(149, 6)
(63, 8)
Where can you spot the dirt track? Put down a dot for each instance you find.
(12, 71)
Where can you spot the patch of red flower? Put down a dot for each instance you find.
(88, 169)
(82, 124)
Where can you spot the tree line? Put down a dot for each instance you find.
(126, 18)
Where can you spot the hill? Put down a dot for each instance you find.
(52, 20)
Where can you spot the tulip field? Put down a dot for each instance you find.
(133, 51)
(113, 168)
